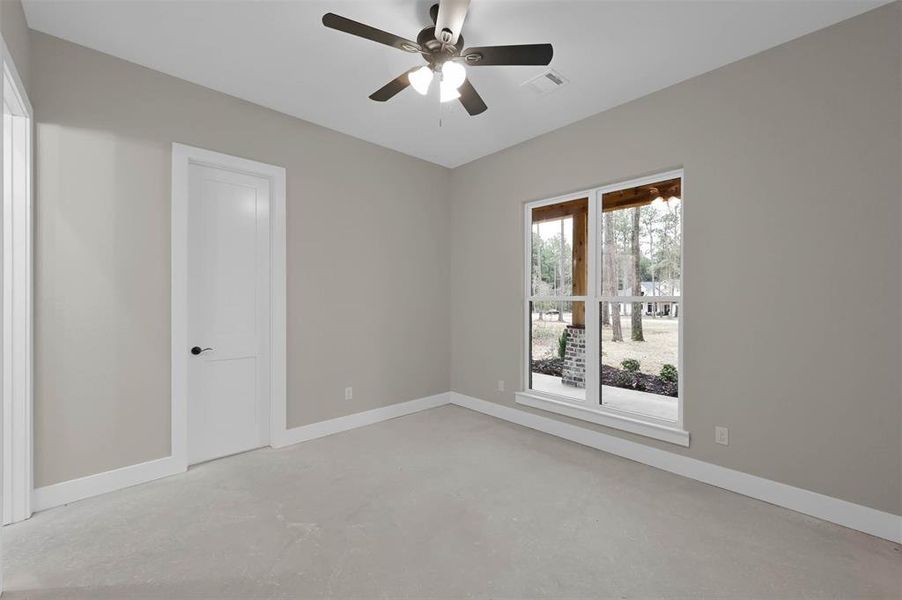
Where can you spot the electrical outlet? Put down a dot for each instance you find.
(500, 385)
(722, 435)
(349, 393)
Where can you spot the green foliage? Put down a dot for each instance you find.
(645, 268)
(562, 344)
(669, 373)
(629, 378)
(630, 365)
(625, 380)
(549, 257)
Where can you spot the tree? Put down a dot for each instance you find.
(552, 269)
(636, 281)
(536, 262)
(649, 223)
(668, 256)
(610, 275)
(560, 314)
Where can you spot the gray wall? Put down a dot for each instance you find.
(16, 34)
(368, 258)
(792, 253)
(792, 328)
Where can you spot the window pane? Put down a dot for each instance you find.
(559, 242)
(640, 357)
(641, 244)
(557, 345)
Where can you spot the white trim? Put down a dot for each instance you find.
(17, 462)
(592, 379)
(67, 492)
(855, 516)
(834, 510)
(361, 419)
(601, 416)
(73, 490)
(7, 59)
(182, 156)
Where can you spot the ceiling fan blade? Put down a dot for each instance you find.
(523, 54)
(450, 19)
(337, 22)
(471, 99)
(393, 87)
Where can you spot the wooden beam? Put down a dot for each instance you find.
(579, 211)
(553, 212)
(641, 195)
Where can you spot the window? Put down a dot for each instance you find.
(603, 300)
(557, 303)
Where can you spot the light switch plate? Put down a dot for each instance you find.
(722, 435)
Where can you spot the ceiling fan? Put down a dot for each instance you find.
(440, 46)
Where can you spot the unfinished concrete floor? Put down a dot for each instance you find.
(444, 503)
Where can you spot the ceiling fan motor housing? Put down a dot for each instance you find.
(437, 52)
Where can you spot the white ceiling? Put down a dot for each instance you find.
(279, 55)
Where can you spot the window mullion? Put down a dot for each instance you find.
(593, 329)
(558, 298)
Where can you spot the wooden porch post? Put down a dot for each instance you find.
(580, 263)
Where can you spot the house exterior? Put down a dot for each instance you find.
(650, 306)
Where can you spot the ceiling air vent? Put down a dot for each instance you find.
(547, 82)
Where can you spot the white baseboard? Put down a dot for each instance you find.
(854, 516)
(73, 490)
(361, 419)
(834, 510)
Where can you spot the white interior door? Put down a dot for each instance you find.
(228, 312)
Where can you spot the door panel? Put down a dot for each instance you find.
(228, 304)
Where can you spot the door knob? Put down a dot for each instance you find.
(198, 350)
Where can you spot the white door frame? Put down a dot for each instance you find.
(17, 347)
(182, 157)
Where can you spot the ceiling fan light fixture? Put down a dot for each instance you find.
(446, 53)
(421, 79)
(453, 73)
(448, 92)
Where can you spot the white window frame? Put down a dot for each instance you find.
(16, 266)
(591, 409)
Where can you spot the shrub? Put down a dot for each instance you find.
(630, 379)
(669, 373)
(562, 344)
(630, 365)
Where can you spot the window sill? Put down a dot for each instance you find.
(600, 416)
